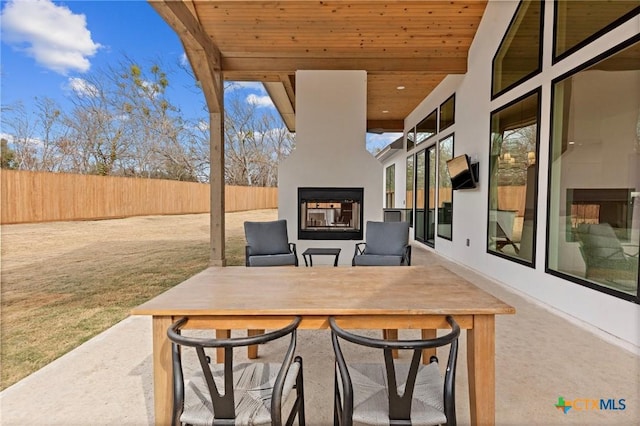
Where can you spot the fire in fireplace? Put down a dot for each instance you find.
(330, 213)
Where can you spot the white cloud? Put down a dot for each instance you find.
(82, 87)
(54, 36)
(184, 60)
(260, 101)
(255, 86)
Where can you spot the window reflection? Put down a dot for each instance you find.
(445, 191)
(422, 220)
(519, 55)
(513, 179)
(411, 139)
(594, 203)
(431, 196)
(409, 188)
(390, 186)
(578, 22)
(427, 127)
(447, 112)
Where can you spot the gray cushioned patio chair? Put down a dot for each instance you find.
(390, 392)
(386, 244)
(268, 244)
(604, 255)
(248, 394)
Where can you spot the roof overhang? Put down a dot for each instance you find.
(406, 47)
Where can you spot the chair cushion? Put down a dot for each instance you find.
(388, 238)
(600, 242)
(376, 260)
(253, 385)
(273, 260)
(371, 398)
(267, 237)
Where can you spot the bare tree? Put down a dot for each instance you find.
(122, 123)
(50, 125)
(34, 135)
(255, 143)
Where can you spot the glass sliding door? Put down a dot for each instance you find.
(420, 198)
(431, 195)
(390, 187)
(445, 191)
(409, 189)
(426, 196)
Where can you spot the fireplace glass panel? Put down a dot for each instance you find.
(330, 213)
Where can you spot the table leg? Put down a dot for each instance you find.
(428, 353)
(252, 351)
(481, 367)
(221, 334)
(162, 371)
(304, 256)
(391, 334)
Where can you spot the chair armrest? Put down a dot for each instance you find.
(247, 253)
(358, 251)
(292, 249)
(406, 257)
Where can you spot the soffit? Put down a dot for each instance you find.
(414, 44)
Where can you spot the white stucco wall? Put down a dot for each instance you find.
(606, 315)
(330, 151)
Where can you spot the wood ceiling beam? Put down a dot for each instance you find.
(203, 55)
(386, 125)
(283, 65)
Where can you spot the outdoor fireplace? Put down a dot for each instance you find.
(330, 213)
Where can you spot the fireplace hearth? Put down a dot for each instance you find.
(330, 213)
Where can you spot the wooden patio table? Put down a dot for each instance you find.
(414, 297)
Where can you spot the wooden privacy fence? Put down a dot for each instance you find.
(509, 198)
(45, 197)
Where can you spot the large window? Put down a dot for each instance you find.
(513, 179)
(520, 53)
(578, 22)
(445, 191)
(427, 127)
(390, 187)
(448, 112)
(594, 179)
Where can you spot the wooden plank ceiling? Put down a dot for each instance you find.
(411, 45)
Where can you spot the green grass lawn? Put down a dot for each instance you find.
(59, 298)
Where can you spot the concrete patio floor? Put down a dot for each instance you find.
(540, 356)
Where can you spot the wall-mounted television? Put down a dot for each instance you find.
(463, 174)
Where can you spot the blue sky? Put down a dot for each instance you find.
(48, 46)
